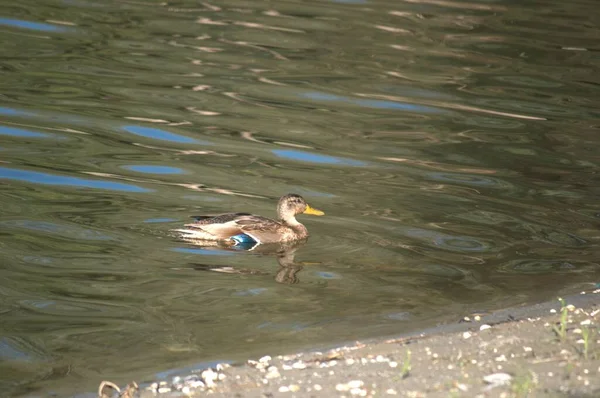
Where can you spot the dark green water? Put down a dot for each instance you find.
(454, 147)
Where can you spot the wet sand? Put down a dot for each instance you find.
(545, 350)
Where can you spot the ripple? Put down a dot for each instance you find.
(328, 275)
(555, 237)
(493, 122)
(16, 132)
(159, 220)
(203, 252)
(52, 179)
(527, 81)
(537, 266)
(62, 307)
(370, 103)
(20, 349)
(449, 242)
(250, 292)
(530, 107)
(162, 135)
(469, 179)
(151, 169)
(58, 229)
(310, 157)
(398, 316)
(488, 217)
(13, 112)
(40, 26)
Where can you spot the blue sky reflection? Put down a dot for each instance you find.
(370, 103)
(40, 26)
(51, 179)
(310, 157)
(158, 134)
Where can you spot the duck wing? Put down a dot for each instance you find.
(218, 218)
(224, 226)
(261, 229)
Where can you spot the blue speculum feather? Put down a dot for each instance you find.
(243, 239)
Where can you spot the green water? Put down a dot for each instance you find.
(452, 145)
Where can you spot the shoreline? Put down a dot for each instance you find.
(546, 349)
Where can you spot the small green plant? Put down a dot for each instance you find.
(561, 329)
(406, 366)
(587, 335)
(523, 385)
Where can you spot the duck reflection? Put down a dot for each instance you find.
(244, 231)
(284, 253)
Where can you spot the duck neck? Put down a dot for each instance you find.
(294, 224)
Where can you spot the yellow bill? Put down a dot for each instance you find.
(313, 211)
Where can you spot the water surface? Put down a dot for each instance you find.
(452, 145)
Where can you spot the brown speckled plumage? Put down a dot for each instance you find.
(263, 230)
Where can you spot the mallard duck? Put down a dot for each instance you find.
(237, 228)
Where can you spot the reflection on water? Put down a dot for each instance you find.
(453, 145)
(284, 253)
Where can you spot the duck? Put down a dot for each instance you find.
(244, 228)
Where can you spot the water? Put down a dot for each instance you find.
(452, 146)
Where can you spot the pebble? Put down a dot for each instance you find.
(317, 387)
(358, 391)
(294, 388)
(209, 376)
(341, 387)
(265, 359)
(351, 385)
(299, 365)
(501, 358)
(284, 389)
(391, 391)
(196, 384)
(349, 361)
(528, 349)
(381, 358)
(467, 335)
(586, 322)
(462, 387)
(484, 327)
(163, 390)
(393, 364)
(497, 378)
(272, 375)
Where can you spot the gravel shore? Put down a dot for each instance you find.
(546, 350)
